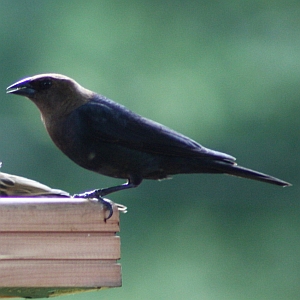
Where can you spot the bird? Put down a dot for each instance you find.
(103, 136)
(16, 186)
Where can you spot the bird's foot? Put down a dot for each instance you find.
(100, 193)
(108, 205)
(91, 194)
(97, 194)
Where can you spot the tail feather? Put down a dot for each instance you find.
(234, 169)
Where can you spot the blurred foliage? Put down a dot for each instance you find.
(225, 73)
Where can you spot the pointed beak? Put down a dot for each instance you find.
(22, 88)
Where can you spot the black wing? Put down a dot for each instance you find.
(110, 122)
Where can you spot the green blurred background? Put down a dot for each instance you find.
(225, 73)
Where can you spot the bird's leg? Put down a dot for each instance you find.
(103, 192)
(99, 193)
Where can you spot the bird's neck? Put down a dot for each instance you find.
(52, 124)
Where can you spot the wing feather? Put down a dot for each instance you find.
(110, 122)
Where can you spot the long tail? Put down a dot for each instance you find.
(233, 169)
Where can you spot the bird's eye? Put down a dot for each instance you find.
(45, 84)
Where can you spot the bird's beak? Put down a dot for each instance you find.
(22, 88)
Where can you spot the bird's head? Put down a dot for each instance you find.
(52, 93)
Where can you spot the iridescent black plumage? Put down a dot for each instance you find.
(105, 137)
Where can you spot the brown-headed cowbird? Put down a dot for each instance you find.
(105, 137)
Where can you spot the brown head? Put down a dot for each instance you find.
(54, 94)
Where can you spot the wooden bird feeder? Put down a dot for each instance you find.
(53, 246)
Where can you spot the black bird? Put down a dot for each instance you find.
(105, 137)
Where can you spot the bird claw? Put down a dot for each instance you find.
(96, 194)
(108, 205)
(91, 194)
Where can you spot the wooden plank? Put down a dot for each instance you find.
(60, 273)
(50, 246)
(55, 215)
(63, 245)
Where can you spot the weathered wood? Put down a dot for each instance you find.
(55, 214)
(60, 273)
(62, 245)
(50, 246)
